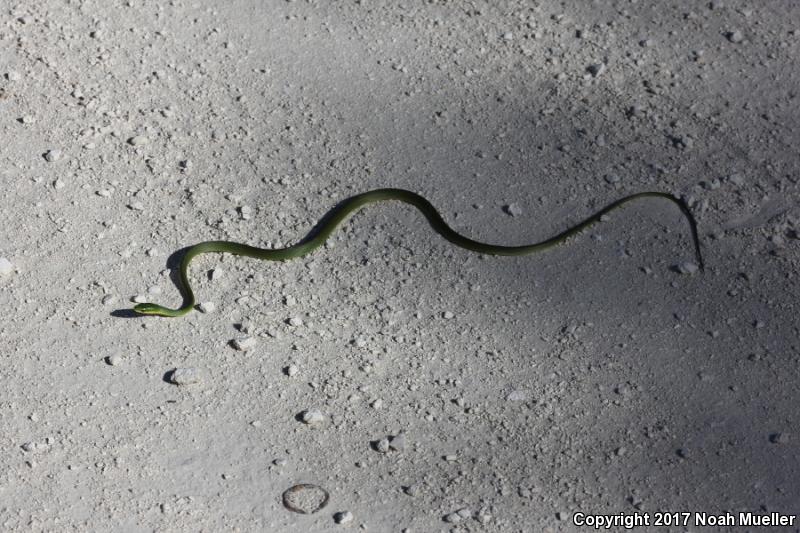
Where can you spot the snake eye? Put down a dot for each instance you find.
(145, 309)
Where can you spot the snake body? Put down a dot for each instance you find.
(338, 214)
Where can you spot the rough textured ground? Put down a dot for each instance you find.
(594, 377)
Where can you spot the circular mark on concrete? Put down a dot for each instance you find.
(305, 498)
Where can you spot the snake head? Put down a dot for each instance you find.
(148, 309)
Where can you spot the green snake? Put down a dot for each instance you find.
(338, 214)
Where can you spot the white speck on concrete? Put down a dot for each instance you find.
(312, 417)
(139, 140)
(735, 36)
(687, 267)
(513, 209)
(207, 307)
(244, 343)
(517, 396)
(596, 69)
(6, 268)
(185, 376)
(398, 442)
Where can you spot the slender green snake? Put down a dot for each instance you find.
(338, 214)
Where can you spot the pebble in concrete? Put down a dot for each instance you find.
(185, 376)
